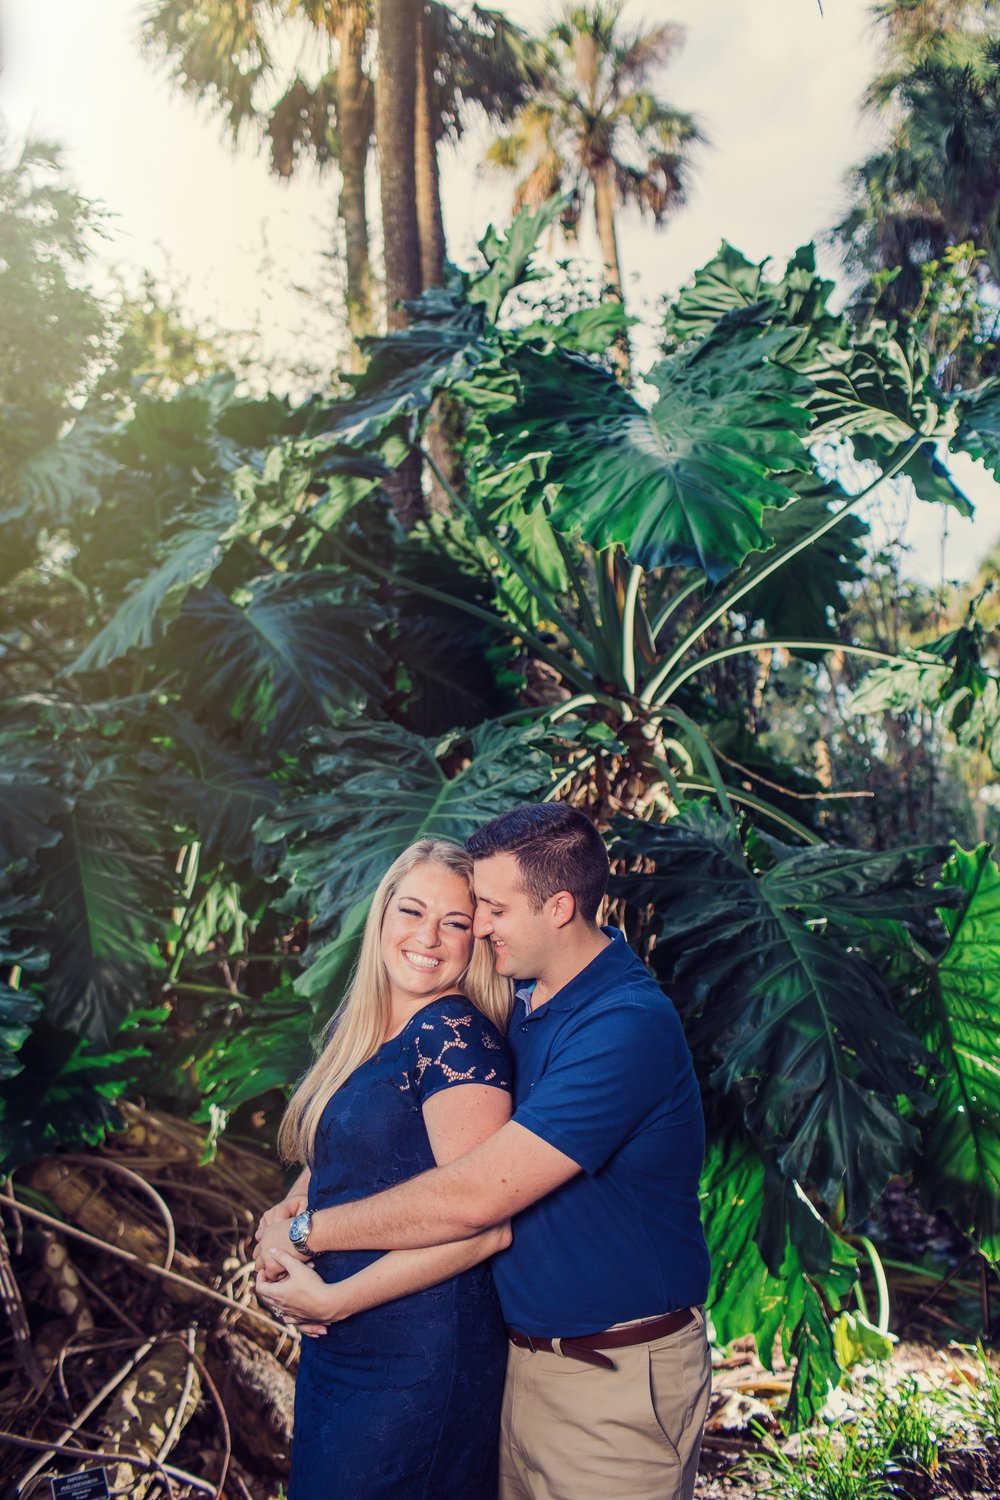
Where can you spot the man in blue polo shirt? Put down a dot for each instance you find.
(603, 1284)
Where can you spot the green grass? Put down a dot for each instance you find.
(905, 1425)
(893, 1428)
(978, 1398)
(832, 1466)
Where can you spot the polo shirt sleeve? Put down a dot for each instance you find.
(604, 1079)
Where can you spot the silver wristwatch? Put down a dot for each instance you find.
(298, 1231)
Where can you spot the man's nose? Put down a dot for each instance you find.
(481, 924)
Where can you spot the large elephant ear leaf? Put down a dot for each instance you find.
(728, 283)
(109, 891)
(289, 651)
(685, 483)
(978, 430)
(798, 599)
(731, 298)
(874, 389)
(955, 1008)
(29, 800)
(776, 1296)
(341, 838)
(445, 341)
(71, 475)
(188, 556)
(210, 787)
(536, 573)
(800, 1026)
(508, 257)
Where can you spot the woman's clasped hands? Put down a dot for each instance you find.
(295, 1294)
(287, 1285)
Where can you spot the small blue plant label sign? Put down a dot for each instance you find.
(92, 1484)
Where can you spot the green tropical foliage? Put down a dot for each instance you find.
(235, 693)
(922, 232)
(54, 327)
(948, 677)
(776, 1267)
(793, 1017)
(954, 1006)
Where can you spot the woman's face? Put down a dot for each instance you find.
(427, 934)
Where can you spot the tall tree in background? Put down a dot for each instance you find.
(395, 114)
(427, 129)
(227, 51)
(475, 62)
(53, 327)
(935, 184)
(233, 53)
(597, 129)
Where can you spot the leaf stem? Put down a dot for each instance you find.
(590, 617)
(670, 780)
(772, 565)
(711, 657)
(675, 601)
(571, 775)
(881, 1283)
(538, 710)
(628, 628)
(690, 728)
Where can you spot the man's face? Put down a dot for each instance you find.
(520, 937)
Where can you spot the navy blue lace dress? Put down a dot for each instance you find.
(402, 1402)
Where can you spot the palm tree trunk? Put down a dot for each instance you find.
(604, 198)
(352, 117)
(428, 186)
(395, 104)
(430, 226)
(395, 125)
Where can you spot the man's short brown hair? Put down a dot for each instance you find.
(557, 848)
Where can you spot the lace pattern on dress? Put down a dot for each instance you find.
(460, 1047)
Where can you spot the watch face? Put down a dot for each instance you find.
(298, 1229)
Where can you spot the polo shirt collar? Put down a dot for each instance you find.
(593, 978)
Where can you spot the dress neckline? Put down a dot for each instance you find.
(408, 1023)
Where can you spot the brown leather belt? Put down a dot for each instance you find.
(588, 1345)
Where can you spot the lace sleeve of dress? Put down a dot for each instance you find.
(455, 1043)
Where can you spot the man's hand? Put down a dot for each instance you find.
(286, 1209)
(274, 1237)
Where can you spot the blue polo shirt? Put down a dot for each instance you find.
(603, 1073)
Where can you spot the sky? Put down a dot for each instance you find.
(775, 85)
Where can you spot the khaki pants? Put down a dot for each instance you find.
(572, 1431)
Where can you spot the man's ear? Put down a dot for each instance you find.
(563, 907)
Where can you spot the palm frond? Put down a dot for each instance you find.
(215, 48)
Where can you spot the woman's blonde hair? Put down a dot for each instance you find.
(357, 1030)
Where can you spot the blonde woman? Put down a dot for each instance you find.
(400, 1396)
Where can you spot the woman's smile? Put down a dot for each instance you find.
(421, 960)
